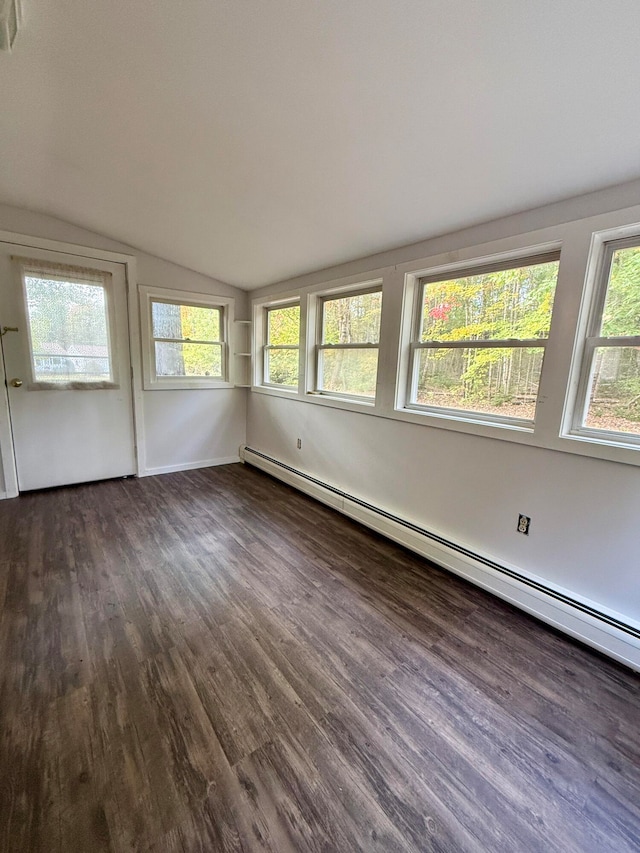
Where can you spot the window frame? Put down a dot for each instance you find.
(420, 281)
(319, 347)
(54, 270)
(153, 382)
(577, 239)
(604, 245)
(267, 347)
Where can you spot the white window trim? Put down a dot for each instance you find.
(22, 264)
(151, 382)
(314, 322)
(576, 238)
(415, 283)
(265, 346)
(603, 244)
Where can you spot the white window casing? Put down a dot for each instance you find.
(270, 349)
(154, 380)
(418, 345)
(560, 403)
(343, 351)
(590, 339)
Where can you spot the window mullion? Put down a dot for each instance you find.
(349, 346)
(281, 346)
(186, 341)
(619, 341)
(497, 377)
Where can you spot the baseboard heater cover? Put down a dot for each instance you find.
(607, 632)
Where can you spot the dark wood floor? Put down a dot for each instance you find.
(209, 661)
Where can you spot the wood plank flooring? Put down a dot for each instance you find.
(210, 661)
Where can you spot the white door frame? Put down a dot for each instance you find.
(7, 455)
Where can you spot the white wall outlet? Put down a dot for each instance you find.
(524, 522)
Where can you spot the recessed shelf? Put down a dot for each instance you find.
(242, 355)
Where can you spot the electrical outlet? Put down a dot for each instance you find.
(524, 522)
(299, 444)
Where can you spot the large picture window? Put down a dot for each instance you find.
(349, 335)
(186, 340)
(479, 340)
(282, 347)
(609, 388)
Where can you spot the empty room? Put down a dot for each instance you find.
(319, 426)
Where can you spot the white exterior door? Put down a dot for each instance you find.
(66, 352)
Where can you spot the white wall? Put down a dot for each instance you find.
(183, 428)
(470, 488)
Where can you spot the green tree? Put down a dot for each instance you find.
(499, 305)
(351, 320)
(284, 330)
(182, 324)
(616, 387)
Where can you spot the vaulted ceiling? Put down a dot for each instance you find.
(254, 140)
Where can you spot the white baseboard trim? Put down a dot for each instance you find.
(189, 466)
(607, 631)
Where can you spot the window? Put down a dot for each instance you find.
(609, 388)
(349, 335)
(282, 348)
(479, 340)
(185, 340)
(68, 323)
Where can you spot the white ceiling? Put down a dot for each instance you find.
(254, 140)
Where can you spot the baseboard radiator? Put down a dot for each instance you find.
(606, 631)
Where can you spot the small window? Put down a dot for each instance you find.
(479, 341)
(69, 325)
(349, 334)
(186, 345)
(282, 348)
(609, 389)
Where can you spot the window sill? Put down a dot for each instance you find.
(472, 419)
(181, 385)
(603, 438)
(276, 391)
(347, 399)
(527, 434)
(286, 389)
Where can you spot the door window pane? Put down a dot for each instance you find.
(69, 331)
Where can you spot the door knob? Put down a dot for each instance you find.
(16, 383)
